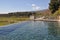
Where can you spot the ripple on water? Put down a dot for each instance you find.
(37, 30)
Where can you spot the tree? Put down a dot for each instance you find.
(57, 13)
(54, 5)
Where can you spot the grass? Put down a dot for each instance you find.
(3, 23)
(10, 20)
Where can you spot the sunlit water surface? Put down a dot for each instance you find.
(31, 30)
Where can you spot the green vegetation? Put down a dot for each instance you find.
(54, 5)
(57, 13)
(14, 17)
(10, 20)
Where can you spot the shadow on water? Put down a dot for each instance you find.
(53, 30)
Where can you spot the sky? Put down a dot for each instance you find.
(22, 5)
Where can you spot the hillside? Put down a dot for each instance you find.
(18, 14)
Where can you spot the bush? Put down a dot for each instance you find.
(57, 13)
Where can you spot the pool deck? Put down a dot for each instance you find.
(50, 20)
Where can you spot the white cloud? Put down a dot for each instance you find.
(35, 7)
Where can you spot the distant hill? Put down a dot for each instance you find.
(45, 12)
(17, 14)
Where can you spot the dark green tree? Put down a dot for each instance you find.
(54, 5)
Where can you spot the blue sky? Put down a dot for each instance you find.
(22, 5)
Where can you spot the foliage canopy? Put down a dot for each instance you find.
(54, 5)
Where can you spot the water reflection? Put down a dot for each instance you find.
(32, 30)
(53, 30)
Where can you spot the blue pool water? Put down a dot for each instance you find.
(31, 30)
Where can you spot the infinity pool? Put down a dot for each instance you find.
(31, 30)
